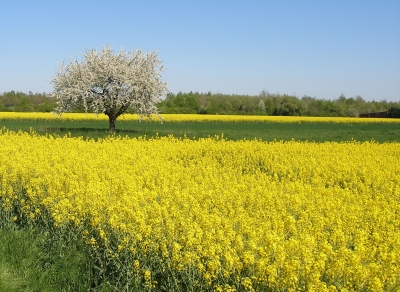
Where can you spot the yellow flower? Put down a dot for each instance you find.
(257, 215)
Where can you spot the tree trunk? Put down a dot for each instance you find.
(112, 119)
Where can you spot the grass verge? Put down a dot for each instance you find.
(30, 261)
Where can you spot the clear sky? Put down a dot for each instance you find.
(315, 48)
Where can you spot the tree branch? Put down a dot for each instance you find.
(123, 109)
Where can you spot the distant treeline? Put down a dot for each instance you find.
(207, 103)
(21, 102)
(274, 105)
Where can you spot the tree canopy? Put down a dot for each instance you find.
(111, 83)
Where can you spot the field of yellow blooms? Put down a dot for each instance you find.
(193, 118)
(168, 214)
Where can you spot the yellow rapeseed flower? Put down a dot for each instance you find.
(249, 214)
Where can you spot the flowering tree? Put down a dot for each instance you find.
(110, 83)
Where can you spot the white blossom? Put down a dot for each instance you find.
(110, 83)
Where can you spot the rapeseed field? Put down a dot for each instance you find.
(194, 118)
(169, 214)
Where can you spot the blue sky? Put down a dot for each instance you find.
(315, 48)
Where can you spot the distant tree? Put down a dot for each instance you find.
(261, 106)
(45, 107)
(314, 107)
(110, 83)
(332, 109)
(179, 100)
(394, 112)
(201, 110)
(342, 98)
(352, 112)
(2, 108)
(290, 106)
(192, 103)
(271, 104)
(264, 93)
(24, 106)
